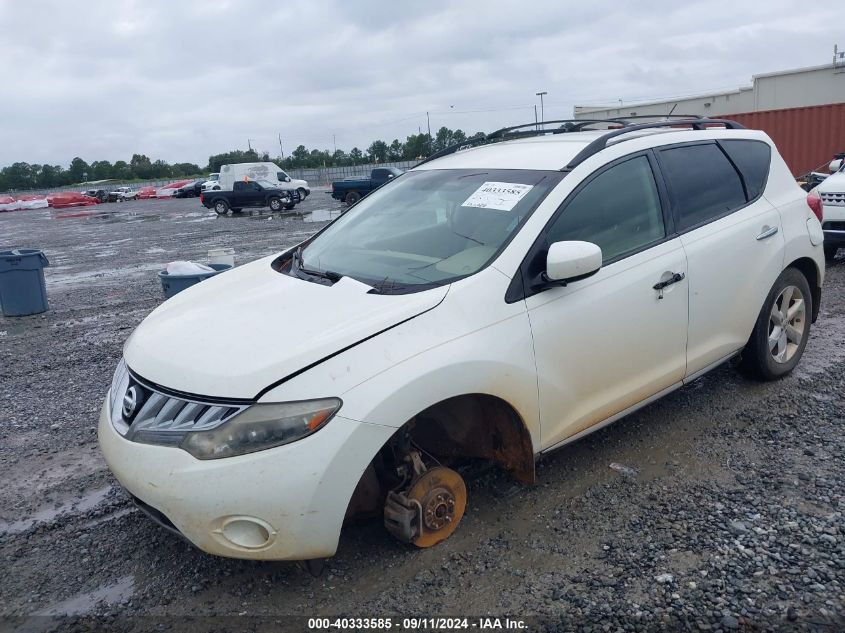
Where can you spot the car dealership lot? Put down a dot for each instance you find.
(734, 513)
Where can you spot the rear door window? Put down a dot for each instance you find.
(752, 158)
(703, 183)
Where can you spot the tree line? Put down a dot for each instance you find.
(23, 176)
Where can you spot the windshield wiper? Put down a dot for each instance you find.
(324, 274)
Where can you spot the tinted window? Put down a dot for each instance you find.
(619, 210)
(703, 182)
(752, 158)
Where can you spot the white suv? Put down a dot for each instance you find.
(832, 193)
(487, 306)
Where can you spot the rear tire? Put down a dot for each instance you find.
(352, 197)
(302, 194)
(830, 252)
(275, 204)
(782, 329)
(221, 207)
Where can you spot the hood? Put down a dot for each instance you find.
(835, 183)
(234, 334)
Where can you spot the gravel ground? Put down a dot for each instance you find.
(733, 519)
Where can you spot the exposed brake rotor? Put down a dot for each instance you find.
(440, 496)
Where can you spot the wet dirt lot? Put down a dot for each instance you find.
(732, 520)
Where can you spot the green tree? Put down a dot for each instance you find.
(355, 155)
(396, 151)
(141, 166)
(377, 152)
(78, 170)
(100, 170)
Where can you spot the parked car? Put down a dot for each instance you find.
(490, 305)
(190, 190)
(832, 193)
(267, 172)
(100, 194)
(249, 194)
(351, 190)
(121, 194)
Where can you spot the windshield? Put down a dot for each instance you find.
(427, 228)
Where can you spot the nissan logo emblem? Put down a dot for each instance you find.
(131, 399)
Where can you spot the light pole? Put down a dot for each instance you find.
(542, 111)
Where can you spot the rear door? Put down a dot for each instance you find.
(732, 238)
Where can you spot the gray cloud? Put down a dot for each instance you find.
(182, 80)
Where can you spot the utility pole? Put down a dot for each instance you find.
(334, 142)
(427, 118)
(249, 143)
(542, 109)
(281, 149)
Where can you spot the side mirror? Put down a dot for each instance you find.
(835, 165)
(287, 178)
(571, 261)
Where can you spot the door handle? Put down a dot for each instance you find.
(768, 231)
(660, 285)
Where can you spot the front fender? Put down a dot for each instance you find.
(469, 344)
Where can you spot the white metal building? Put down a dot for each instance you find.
(800, 87)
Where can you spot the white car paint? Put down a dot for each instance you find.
(568, 359)
(832, 192)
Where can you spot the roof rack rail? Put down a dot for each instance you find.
(575, 125)
(578, 125)
(697, 123)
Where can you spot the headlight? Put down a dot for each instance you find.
(260, 427)
(115, 394)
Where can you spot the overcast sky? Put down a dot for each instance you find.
(185, 79)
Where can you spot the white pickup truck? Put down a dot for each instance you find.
(121, 194)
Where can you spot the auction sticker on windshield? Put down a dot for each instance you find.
(502, 196)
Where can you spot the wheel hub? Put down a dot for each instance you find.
(438, 508)
(441, 498)
(787, 324)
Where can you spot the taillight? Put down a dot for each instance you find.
(202, 197)
(815, 203)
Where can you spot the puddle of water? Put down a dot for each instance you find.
(82, 603)
(322, 215)
(89, 500)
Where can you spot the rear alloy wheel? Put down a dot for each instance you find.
(221, 207)
(782, 329)
(275, 204)
(352, 197)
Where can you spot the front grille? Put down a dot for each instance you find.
(163, 414)
(833, 199)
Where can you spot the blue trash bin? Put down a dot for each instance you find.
(174, 284)
(22, 287)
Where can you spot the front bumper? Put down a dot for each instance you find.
(285, 503)
(833, 224)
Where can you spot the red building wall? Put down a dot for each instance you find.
(807, 138)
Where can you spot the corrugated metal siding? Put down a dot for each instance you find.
(806, 137)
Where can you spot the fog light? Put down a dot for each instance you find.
(245, 532)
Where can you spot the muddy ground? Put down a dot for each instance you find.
(732, 521)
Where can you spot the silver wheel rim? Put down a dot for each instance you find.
(787, 323)
(220, 208)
